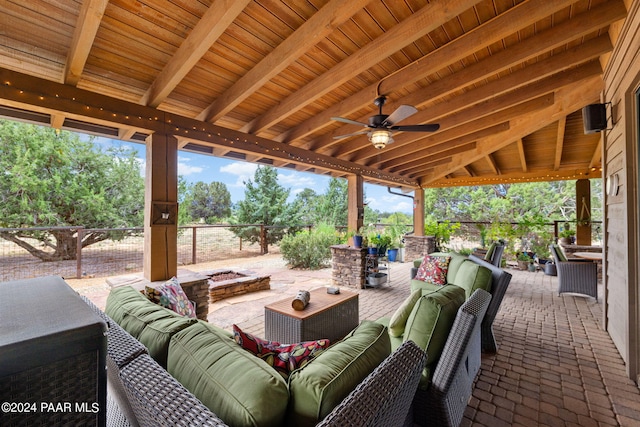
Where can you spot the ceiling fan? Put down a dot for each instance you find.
(381, 125)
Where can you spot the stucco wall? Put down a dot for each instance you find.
(622, 79)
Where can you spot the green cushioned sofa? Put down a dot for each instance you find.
(220, 380)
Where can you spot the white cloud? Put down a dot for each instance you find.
(185, 169)
(242, 170)
(296, 180)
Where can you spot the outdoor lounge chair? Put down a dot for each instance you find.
(578, 277)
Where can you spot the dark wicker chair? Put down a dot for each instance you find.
(496, 256)
(384, 397)
(578, 277)
(500, 280)
(443, 403)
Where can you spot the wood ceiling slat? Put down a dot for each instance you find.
(468, 45)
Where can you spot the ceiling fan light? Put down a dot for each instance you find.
(380, 138)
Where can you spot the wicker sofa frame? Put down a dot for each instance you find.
(142, 393)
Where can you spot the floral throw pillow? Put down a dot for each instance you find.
(434, 269)
(284, 358)
(173, 297)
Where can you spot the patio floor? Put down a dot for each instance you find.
(555, 365)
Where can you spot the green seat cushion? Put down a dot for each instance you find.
(399, 318)
(236, 385)
(430, 322)
(149, 323)
(319, 386)
(425, 287)
(472, 276)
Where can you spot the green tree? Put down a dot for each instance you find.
(305, 205)
(265, 203)
(332, 206)
(58, 180)
(209, 202)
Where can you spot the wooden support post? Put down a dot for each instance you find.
(418, 212)
(355, 203)
(161, 208)
(583, 212)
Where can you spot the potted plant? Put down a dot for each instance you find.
(566, 236)
(357, 238)
(523, 260)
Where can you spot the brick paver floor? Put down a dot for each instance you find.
(555, 365)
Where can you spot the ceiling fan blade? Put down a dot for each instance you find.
(351, 134)
(349, 121)
(417, 128)
(401, 113)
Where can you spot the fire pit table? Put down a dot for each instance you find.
(326, 316)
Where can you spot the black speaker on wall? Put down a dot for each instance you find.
(594, 118)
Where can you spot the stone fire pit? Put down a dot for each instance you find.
(225, 283)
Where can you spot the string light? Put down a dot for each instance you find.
(254, 145)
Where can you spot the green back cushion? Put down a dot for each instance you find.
(236, 385)
(399, 318)
(472, 276)
(490, 251)
(425, 287)
(316, 388)
(431, 320)
(454, 266)
(150, 323)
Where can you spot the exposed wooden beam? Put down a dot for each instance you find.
(515, 177)
(322, 23)
(552, 38)
(568, 99)
(562, 123)
(416, 26)
(492, 164)
(467, 169)
(596, 159)
(433, 153)
(87, 25)
(213, 23)
(27, 92)
(408, 151)
(564, 62)
(126, 133)
(57, 120)
(522, 155)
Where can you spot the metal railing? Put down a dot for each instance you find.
(195, 244)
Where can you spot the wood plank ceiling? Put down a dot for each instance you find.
(260, 80)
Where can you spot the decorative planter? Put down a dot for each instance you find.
(376, 279)
(532, 267)
(550, 269)
(393, 254)
(357, 241)
(523, 265)
(373, 251)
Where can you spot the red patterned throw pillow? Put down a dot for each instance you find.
(284, 358)
(434, 269)
(173, 297)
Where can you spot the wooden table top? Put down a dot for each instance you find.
(320, 301)
(595, 256)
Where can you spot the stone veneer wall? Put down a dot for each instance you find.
(418, 246)
(195, 286)
(238, 286)
(348, 266)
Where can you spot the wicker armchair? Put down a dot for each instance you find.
(575, 276)
(443, 403)
(384, 397)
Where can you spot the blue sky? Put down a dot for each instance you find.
(199, 167)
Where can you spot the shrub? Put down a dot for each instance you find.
(309, 249)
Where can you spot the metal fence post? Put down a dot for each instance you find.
(194, 247)
(79, 253)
